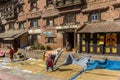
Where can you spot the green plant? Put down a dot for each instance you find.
(41, 47)
(35, 45)
(48, 47)
(38, 46)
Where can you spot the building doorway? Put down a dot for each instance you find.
(16, 44)
(70, 38)
(32, 39)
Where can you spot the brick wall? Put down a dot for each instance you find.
(109, 15)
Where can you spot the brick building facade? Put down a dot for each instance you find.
(90, 26)
(100, 32)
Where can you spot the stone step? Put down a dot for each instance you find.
(100, 56)
(61, 59)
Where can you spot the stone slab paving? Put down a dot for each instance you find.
(14, 74)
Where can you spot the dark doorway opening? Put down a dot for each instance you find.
(32, 39)
(16, 44)
(70, 38)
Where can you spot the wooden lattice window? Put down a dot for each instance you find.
(20, 8)
(21, 25)
(50, 40)
(11, 26)
(70, 18)
(33, 5)
(34, 23)
(49, 2)
(50, 21)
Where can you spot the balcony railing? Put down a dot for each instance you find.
(9, 17)
(72, 23)
(33, 14)
(9, 14)
(62, 3)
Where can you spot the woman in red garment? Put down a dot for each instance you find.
(11, 52)
(49, 62)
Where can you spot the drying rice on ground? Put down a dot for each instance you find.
(35, 66)
(100, 74)
(38, 66)
(65, 72)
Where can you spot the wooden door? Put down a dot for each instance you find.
(100, 43)
(111, 43)
(84, 43)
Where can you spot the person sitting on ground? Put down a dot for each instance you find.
(49, 63)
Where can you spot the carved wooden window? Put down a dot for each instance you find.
(49, 2)
(59, 3)
(77, 0)
(50, 40)
(21, 25)
(34, 23)
(3, 14)
(68, 1)
(21, 1)
(0, 14)
(50, 21)
(30, 1)
(70, 18)
(9, 11)
(20, 8)
(11, 26)
(33, 5)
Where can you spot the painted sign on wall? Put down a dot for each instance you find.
(111, 39)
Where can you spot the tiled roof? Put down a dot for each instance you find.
(11, 34)
(100, 27)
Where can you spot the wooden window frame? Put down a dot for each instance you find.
(48, 21)
(20, 8)
(32, 23)
(11, 26)
(49, 41)
(70, 18)
(32, 5)
(94, 17)
(20, 25)
(49, 2)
